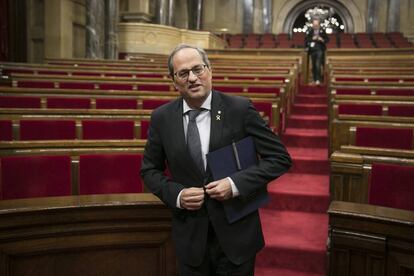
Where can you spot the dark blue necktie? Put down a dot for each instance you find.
(193, 139)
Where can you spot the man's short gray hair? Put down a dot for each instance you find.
(185, 46)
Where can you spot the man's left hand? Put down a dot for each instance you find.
(220, 190)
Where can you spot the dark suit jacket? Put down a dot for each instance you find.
(319, 45)
(166, 144)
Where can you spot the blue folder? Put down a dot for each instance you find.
(228, 160)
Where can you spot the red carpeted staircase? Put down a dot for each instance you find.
(295, 222)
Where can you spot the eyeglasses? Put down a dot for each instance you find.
(197, 70)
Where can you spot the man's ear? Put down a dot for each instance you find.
(175, 85)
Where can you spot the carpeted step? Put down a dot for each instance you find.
(270, 271)
(311, 89)
(307, 121)
(314, 99)
(309, 109)
(294, 240)
(298, 137)
(309, 160)
(299, 192)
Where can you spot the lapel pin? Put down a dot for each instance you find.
(217, 117)
(219, 112)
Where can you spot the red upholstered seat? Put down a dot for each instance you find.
(360, 109)
(153, 103)
(241, 77)
(52, 72)
(35, 176)
(112, 103)
(272, 78)
(6, 130)
(395, 92)
(108, 129)
(383, 79)
(400, 110)
(91, 74)
(124, 75)
(61, 102)
(110, 173)
(144, 129)
(229, 89)
(19, 102)
(266, 108)
(36, 84)
(392, 186)
(150, 75)
(394, 138)
(154, 87)
(76, 85)
(47, 130)
(116, 86)
(258, 89)
(349, 79)
(353, 91)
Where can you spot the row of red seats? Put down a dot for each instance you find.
(338, 40)
(389, 79)
(49, 129)
(376, 110)
(379, 91)
(92, 85)
(41, 176)
(78, 102)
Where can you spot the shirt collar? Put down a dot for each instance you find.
(206, 104)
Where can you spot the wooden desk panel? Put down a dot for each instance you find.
(86, 235)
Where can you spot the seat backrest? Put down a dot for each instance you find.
(400, 110)
(153, 103)
(116, 86)
(395, 92)
(154, 87)
(62, 102)
(6, 130)
(35, 176)
(392, 186)
(47, 130)
(360, 109)
(110, 173)
(112, 103)
(144, 129)
(353, 91)
(76, 85)
(266, 108)
(19, 102)
(229, 89)
(394, 138)
(108, 129)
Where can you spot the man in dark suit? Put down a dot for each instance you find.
(315, 41)
(206, 243)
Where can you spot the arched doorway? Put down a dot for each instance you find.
(296, 14)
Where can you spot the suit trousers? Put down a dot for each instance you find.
(317, 56)
(216, 263)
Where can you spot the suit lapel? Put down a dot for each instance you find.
(217, 121)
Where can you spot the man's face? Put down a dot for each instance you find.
(316, 24)
(194, 88)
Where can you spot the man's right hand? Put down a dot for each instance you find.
(192, 198)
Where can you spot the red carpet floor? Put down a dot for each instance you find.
(295, 222)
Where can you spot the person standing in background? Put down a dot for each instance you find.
(315, 43)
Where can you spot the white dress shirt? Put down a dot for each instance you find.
(203, 122)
